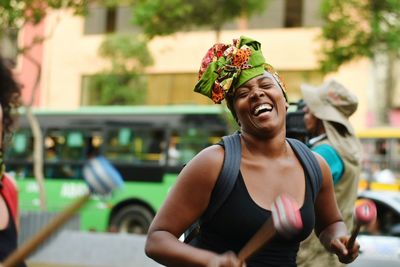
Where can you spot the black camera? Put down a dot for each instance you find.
(295, 127)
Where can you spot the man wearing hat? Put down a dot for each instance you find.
(326, 118)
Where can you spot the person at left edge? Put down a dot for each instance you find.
(269, 167)
(9, 217)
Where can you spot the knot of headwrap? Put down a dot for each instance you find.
(226, 67)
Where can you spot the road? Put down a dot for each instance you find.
(85, 249)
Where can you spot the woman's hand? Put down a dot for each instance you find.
(228, 259)
(345, 255)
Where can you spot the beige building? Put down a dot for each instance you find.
(288, 31)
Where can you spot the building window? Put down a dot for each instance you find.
(293, 13)
(101, 20)
(111, 20)
(287, 14)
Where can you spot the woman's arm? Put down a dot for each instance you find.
(186, 202)
(329, 225)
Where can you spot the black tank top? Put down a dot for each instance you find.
(8, 239)
(240, 217)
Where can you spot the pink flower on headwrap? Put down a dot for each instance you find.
(212, 55)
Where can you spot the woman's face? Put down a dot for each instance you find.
(260, 105)
(310, 121)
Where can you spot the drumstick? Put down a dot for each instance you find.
(364, 213)
(101, 178)
(285, 220)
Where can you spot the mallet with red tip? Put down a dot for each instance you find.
(285, 219)
(364, 214)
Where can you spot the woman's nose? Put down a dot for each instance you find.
(257, 93)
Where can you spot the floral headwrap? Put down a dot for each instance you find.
(226, 67)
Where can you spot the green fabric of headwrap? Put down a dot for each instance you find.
(226, 67)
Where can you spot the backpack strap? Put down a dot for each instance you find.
(310, 163)
(228, 175)
(224, 184)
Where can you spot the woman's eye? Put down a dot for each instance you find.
(241, 94)
(266, 86)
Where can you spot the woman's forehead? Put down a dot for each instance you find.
(265, 76)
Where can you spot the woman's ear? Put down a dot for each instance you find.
(286, 105)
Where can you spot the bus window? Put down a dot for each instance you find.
(19, 154)
(74, 148)
(64, 152)
(65, 145)
(50, 149)
(119, 144)
(155, 146)
(135, 145)
(94, 143)
(22, 146)
(175, 151)
(185, 144)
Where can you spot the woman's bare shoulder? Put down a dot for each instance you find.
(323, 164)
(206, 164)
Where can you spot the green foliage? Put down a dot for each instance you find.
(358, 28)
(164, 17)
(120, 48)
(118, 89)
(124, 83)
(16, 13)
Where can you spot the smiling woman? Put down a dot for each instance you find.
(269, 168)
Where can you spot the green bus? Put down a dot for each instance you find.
(148, 145)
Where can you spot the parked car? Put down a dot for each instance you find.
(380, 241)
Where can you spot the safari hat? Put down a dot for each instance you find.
(331, 102)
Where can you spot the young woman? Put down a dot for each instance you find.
(9, 98)
(269, 167)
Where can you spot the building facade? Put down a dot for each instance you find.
(288, 31)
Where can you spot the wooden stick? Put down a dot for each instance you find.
(364, 213)
(28, 247)
(353, 236)
(259, 239)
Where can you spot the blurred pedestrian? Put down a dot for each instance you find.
(269, 167)
(326, 118)
(9, 219)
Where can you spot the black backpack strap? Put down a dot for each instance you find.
(228, 175)
(224, 184)
(310, 163)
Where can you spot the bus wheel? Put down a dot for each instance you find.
(133, 219)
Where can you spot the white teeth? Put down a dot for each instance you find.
(268, 107)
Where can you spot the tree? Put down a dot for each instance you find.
(14, 16)
(162, 17)
(124, 83)
(364, 28)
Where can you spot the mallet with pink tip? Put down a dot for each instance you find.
(364, 214)
(285, 220)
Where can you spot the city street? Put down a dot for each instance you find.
(78, 249)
